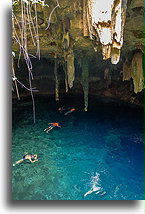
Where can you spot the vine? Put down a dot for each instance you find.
(22, 26)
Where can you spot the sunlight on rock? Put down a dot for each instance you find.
(106, 23)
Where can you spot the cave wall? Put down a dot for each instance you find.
(101, 83)
(65, 40)
(67, 27)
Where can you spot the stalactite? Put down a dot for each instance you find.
(70, 69)
(137, 72)
(126, 71)
(66, 38)
(85, 24)
(91, 30)
(56, 80)
(65, 41)
(106, 74)
(85, 83)
(66, 80)
(106, 22)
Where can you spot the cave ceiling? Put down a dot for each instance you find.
(66, 30)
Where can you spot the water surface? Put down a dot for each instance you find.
(100, 151)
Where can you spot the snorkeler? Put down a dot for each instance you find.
(52, 125)
(27, 157)
(70, 111)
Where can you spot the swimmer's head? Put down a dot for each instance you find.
(34, 156)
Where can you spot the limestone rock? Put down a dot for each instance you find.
(137, 72)
(70, 69)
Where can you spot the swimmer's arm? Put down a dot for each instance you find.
(87, 193)
(32, 161)
(19, 161)
(47, 128)
(68, 112)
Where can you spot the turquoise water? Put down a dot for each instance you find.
(100, 150)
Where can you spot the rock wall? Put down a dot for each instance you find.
(76, 32)
(69, 28)
(90, 79)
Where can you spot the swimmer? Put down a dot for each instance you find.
(61, 109)
(27, 157)
(92, 190)
(70, 111)
(96, 187)
(52, 125)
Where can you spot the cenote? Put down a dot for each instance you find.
(86, 55)
(101, 149)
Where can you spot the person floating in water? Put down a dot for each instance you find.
(32, 158)
(61, 109)
(52, 125)
(66, 111)
(70, 111)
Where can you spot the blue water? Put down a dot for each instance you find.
(100, 150)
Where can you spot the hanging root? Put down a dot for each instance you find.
(56, 80)
(13, 70)
(49, 19)
(27, 23)
(85, 83)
